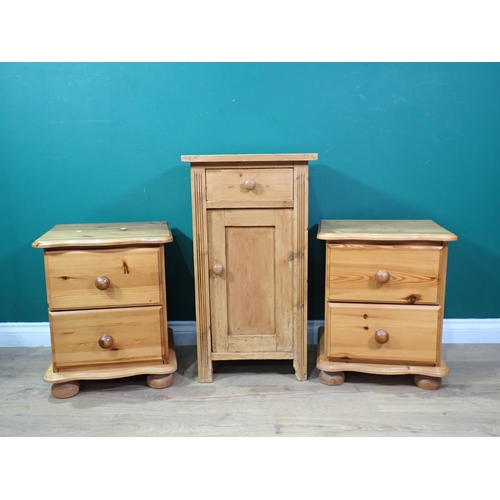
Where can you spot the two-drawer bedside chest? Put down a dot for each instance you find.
(384, 299)
(107, 304)
(250, 258)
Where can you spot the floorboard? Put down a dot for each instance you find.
(254, 398)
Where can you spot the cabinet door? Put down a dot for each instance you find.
(251, 280)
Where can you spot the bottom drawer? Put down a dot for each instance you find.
(133, 334)
(383, 333)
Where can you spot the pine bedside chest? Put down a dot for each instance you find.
(250, 258)
(107, 304)
(384, 299)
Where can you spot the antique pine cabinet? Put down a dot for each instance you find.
(250, 258)
(107, 304)
(384, 299)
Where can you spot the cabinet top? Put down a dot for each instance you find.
(249, 157)
(380, 230)
(116, 234)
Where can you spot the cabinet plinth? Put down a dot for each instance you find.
(384, 299)
(250, 258)
(107, 304)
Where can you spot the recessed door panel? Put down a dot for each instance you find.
(250, 269)
(251, 280)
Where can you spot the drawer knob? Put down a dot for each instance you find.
(381, 336)
(102, 282)
(217, 269)
(249, 184)
(382, 276)
(106, 341)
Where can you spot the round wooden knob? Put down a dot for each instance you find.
(249, 184)
(102, 283)
(382, 276)
(381, 336)
(217, 269)
(106, 341)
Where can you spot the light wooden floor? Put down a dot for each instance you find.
(256, 398)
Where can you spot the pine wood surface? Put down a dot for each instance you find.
(105, 234)
(251, 300)
(110, 371)
(133, 274)
(255, 398)
(249, 158)
(237, 316)
(413, 332)
(227, 185)
(135, 331)
(380, 230)
(413, 270)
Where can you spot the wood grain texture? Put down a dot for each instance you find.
(134, 276)
(327, 365)
(106, 234)
(107, 303)
(255, 203)
(250, 238)
(201, 270)
(251, 281)
(412, 332)
(382, 230)
(249, 158)
(136, 334)
(106, 372)
(384, 297)
(251, 299)
(413, 273)
(255, 398)
(300, 256)
(228, 185)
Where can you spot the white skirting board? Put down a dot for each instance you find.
(455, 331)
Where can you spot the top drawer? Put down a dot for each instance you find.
(407, 274)
(250, 185)
(127, 277)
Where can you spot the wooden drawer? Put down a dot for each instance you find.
(413, 333)
(136, 336)
(413, 273)
(133, 275)
(249, 185)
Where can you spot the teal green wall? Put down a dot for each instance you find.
(99, 142)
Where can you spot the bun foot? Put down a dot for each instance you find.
(330, 378)
(426, 382)
(160, 381)
(65, 389)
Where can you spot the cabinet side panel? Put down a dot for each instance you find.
(200, 249)
(443, 266)
(163, 295)
(300, 269)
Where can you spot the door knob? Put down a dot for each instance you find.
(249, 184)
(217, 268)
